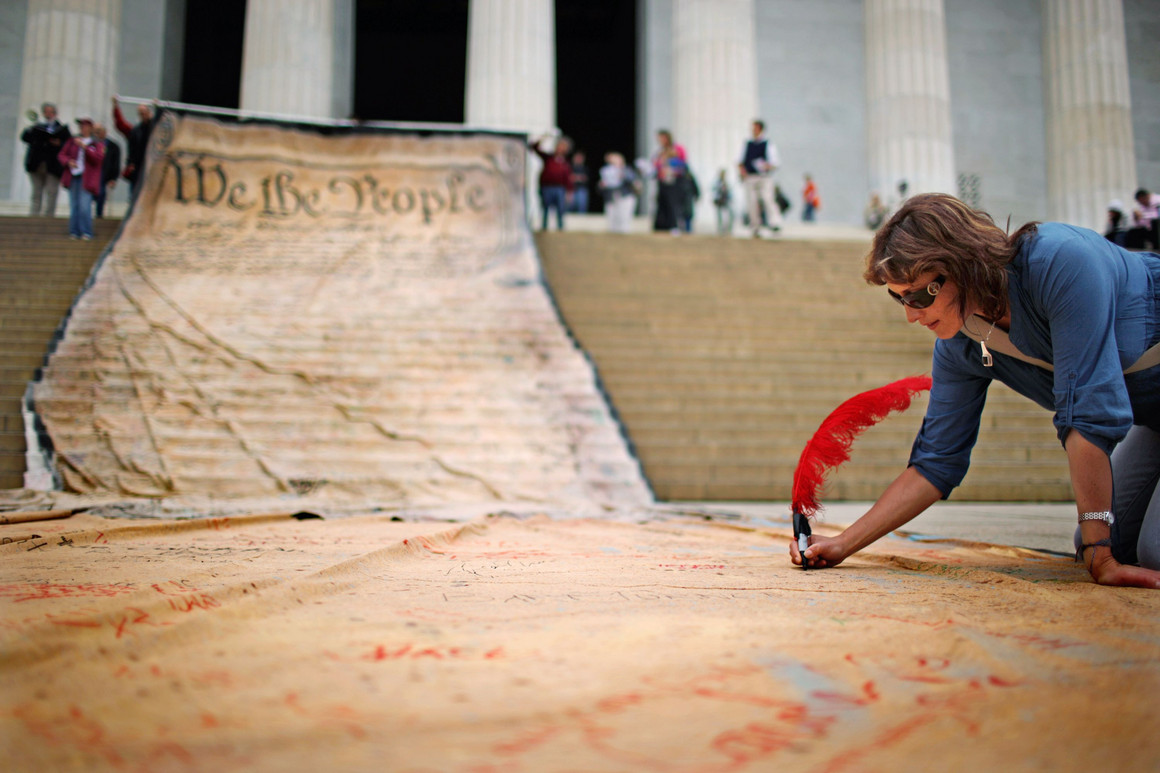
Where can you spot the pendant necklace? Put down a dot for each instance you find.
(987, 360)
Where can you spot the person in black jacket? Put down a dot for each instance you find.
(110, 167)
(138, 137)
(44, 140)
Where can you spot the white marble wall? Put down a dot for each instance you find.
(1090, 149)
(511, 75)
(908, 96)
(511, 65)
(997, 107)
(714, 88)
(292, 53)
(813, 99)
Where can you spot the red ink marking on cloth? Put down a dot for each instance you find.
(527, 741)
(202, 601)
(869, 695)
(1041, 642)
(338, 714)
(935, 624)
(40, 591)
(166, 749)
(927, 671)
(73, 729)
(89, 733)
(933, 708)
(214, 677)
(884, 741)
(758, 740)
(737, 697)
(175, 588)
(134, 616)
(82, 623)
(618, 703)
(100, 539)
(382, 652)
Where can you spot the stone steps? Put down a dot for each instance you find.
(722, 357)
(41, 272)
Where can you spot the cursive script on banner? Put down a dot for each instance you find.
(284, 194)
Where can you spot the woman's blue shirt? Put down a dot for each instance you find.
(1085, 305)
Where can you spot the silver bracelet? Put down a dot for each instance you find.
(1105, 516)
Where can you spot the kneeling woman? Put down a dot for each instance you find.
(1060, 315)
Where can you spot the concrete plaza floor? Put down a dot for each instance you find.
(1040, 526)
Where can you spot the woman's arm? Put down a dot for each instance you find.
(906, 497)
(1091, 480)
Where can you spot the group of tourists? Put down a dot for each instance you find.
(86, 164)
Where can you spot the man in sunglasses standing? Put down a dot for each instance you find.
(1062, 316)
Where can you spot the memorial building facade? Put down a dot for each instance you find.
(1032, 109)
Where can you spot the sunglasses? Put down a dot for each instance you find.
(920, 299)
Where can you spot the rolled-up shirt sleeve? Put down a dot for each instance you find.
(942, 450)
(1078, 300)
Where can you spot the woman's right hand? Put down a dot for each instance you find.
(906, 497)
(821, 553)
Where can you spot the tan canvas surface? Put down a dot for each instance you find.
(532, 641)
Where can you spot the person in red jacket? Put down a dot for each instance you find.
(555, 179)
(138, 138)
(810, 200)
(82, 159)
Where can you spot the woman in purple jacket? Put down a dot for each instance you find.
(1060, 315)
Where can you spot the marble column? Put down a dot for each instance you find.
(1091, 158)
(511, 75)
(511, 65)
(908, 98)
(70, 59)
(297, 58)
(714, 90)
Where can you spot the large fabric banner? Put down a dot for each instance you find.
(344, 314)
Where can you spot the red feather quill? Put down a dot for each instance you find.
(830, 445)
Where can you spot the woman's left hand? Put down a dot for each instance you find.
(1106, 570)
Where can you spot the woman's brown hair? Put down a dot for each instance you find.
(935, 232)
